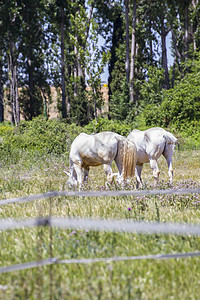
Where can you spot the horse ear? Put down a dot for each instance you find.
(67, 173)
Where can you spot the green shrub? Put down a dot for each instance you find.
(104, 124)
(188, 135)
(5, 129)
(41, 137)
(38, 137)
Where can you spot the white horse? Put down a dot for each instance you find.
(151, 144)
(101, 149)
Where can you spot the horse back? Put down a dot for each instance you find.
(160, 141)
(150, 143)
(160, 134)
(94, 150)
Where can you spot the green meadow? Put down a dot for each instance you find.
(26, 172)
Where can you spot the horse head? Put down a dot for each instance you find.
(71, 181)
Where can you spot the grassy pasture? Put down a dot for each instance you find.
(143, 279)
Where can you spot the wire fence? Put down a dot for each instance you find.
(103, 225)
(99, 194)
(98, 225)
(54, 260)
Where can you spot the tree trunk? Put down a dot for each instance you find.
(95, 104)
(151, 42)
(186, 34)
(194, 4)
(75, 68)
(31, 86)
(13, 86)
(133, 52)
(64, 114)
(164, 55)
(127, 63)
(174, 39)
(1, 95)
(78, 70)
(16, 110)
(177, 53)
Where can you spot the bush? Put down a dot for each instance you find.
(104, 124)
(51, 136)
(38, 137)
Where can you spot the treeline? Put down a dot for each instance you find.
(47, 43)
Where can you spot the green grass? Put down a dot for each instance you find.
(143, 279)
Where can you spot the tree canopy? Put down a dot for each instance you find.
(55, 43)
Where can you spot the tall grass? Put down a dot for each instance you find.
(145, 279)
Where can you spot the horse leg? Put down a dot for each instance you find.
(138, 171)
(77, 169)
(119, 163)
(156, 172)
(86, 174)
(109, 172)
(168, 156)
(120, 175)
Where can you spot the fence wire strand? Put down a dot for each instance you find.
(99, 194)
(104, 225)
(54, 260)
(99, 225)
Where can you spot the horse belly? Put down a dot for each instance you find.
(142, 157)
(98, 159)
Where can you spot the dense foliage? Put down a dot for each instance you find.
(36, 138)
(179, 106)
(55, 43)
(45, 137)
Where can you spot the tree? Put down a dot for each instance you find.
(133, 53)
(96, 61)
(183, 17)
(159, 12)
(195, 10)
(180, 106)
(120, 104)
(127, 62)
(117, 59)
(64, 112)
(1, 93)
(10, 48)
(2, 60)
(34, 45)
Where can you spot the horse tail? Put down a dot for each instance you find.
(126, 155)
(129, 161)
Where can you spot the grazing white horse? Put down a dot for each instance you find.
(101, 149)
(151, 144)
